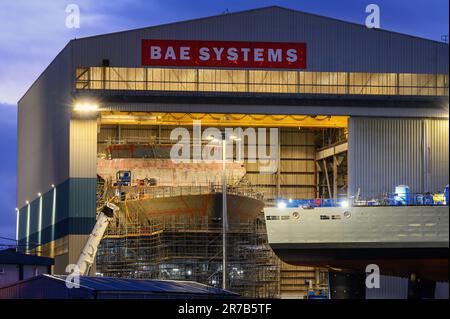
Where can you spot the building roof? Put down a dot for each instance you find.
(110, 284)
(10, 256)
(273, 8)
(332, 45)
(54, 287)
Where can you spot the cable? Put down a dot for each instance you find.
(7, 238)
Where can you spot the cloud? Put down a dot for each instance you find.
(37, 32)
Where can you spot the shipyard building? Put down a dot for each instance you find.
(357, 111)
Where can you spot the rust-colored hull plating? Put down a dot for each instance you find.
(238, 207)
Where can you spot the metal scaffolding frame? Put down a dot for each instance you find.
(190, 248)
(141, 244)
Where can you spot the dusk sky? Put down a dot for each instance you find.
(33, 32)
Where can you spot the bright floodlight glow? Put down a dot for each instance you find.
(281, 205)
(86, 107)
(344, 204)
(234, 138)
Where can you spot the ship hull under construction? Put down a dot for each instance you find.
(238, 207)
(400, 240)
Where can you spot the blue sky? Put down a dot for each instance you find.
(33, 32)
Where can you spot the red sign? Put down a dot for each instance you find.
(227, 54)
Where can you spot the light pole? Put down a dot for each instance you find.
(224, 203)
(224, 211)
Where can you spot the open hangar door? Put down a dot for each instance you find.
(312, 161)
(386, 152)
(140, 142)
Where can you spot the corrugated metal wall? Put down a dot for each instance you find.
(43, 130)
(437, 163)
(390, 288)
(83, 148)
(386, 152)
(332, 45)
(83, 174)
(297, 171)
(441, 291)
(78, 189)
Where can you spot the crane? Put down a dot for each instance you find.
(87, 256)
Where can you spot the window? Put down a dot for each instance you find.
(260, 81)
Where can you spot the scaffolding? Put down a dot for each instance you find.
(143, 243)
(190, 248)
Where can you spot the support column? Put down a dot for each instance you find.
(335, 177)
(327, 178)
(81, 187)
(279, 165)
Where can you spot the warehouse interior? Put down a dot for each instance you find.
(312, 149)
(311, 163)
